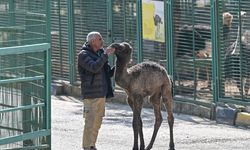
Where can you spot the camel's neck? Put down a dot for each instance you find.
(238, 35)
(121, 74)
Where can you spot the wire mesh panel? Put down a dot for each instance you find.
(124, 23)
(59, 40)
(22, 22)
(24, 101)
(192, 50)
(89, 16)
(119, 20)
(234, 49)
(154, 47)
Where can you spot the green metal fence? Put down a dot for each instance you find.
(185, 36)
(83, 23)
(59, 40)
(71, 21)
(153, 32)
(192, 51)
(233, 57)
(123, 24)
(25, 120)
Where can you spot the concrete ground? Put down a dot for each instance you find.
(116, 133)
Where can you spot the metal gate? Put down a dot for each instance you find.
(234, 51)
(25, 121)
(192, 50)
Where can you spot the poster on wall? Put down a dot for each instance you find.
(153, 20)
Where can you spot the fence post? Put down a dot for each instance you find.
(139, 30)
(110, 27)
(215, 48)
(71, 48)
(168, 7)
(48, 72)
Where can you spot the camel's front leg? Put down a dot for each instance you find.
(135, 128)
(137, 124)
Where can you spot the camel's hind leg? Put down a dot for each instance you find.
(155, 100)
(167, 99)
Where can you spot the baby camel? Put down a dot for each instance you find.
(139, 81)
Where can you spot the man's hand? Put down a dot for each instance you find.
(109, 51)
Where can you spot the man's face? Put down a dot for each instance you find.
(97, 43)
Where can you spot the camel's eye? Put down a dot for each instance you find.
(128, 50)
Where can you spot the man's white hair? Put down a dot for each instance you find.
(92, 35)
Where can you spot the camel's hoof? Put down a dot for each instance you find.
(148, 147)
(142, 148)
(171, 146)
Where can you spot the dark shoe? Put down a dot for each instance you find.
(92, 148)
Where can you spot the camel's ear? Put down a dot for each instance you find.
(243, 13)
(126, 46)
(116, 46)
(131, 60)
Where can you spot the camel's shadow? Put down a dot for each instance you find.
(122, 114)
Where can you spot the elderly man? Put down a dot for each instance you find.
(95, 74)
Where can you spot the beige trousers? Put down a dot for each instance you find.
(94, 111)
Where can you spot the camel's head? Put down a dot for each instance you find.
(227, 19)
(122, 51)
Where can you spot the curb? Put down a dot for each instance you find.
(243, 119)
(225, 115)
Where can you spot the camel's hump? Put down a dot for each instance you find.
(147, 66)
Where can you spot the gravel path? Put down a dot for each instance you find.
(190, 132)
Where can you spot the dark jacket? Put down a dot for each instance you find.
(95, 73)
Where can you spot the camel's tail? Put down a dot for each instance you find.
(168, 88)
(172, 84)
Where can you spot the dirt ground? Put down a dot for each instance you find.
(190, 132)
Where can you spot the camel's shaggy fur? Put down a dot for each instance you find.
(139, 81)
